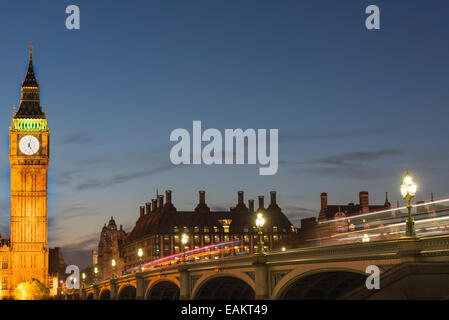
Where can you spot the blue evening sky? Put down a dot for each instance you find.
(354, 108)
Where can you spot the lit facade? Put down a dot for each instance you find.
(25, 254)
(160, 227)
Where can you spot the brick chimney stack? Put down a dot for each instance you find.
(142, 211)
(160, 201)
(202, 194)
(240, 197)
(168, 196)
(251, 206)
(364, 202)
(273, 198)
(261, 204)
(148, 207)
(154, 204)
(323, 200)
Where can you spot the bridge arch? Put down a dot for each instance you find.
(224, 286)
(163, 289)
(127, 292)
(90, 296)
(105, 294)
(320, 284)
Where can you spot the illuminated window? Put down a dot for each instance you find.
(4, 284)
(216, 239)
(206, 229)
(4, 261)
(215, 229)
(206, 239)
(176, 239)
(175, 229)
(196, 239)
(245, 230)
(275, 229)
(176, 249)
(196, 229)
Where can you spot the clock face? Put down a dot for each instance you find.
(29, 145)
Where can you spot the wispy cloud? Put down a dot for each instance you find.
(333, 135)
(296, 213)
(78, 138)
(79, 253)
(349, 158)
(93, 183)
(352, 165)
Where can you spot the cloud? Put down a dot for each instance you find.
(333, 135)
(78, 138)
(350, 172)
(93, 183)
(349, 158)
(80, 253)
(347, 165)
(296, 213)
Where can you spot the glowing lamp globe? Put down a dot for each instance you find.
(260, 221)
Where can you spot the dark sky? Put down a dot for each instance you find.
(354, 108)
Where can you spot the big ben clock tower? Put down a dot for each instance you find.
(29, 151)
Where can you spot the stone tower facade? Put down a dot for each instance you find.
(29, 151)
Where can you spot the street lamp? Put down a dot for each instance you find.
(408, 191)
(95, 273)
(83, 278)
(365, 238)
(184, 240)
(113, 268)
(260, 221)
(140, 254)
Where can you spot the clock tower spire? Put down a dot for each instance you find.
(30, 102)
(29, 151)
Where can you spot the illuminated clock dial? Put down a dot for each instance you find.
(29, 145)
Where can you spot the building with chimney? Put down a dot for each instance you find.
(159, 228)
(345, 215)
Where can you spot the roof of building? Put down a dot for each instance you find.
(164, 219)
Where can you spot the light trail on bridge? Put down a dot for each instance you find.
(387, 223)
(192, 255)
(386, 210)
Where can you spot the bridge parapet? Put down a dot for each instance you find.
(268, 274)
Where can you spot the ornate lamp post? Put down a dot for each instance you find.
(260, 221)
(140, 254)
(83, 279)
(184, 240)
(95, 274)
(113, 268)
(408, 191)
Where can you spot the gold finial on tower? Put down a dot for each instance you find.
(31, 46)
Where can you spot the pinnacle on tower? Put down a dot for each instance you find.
(30, 102)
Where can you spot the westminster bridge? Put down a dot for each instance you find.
(410, 268)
